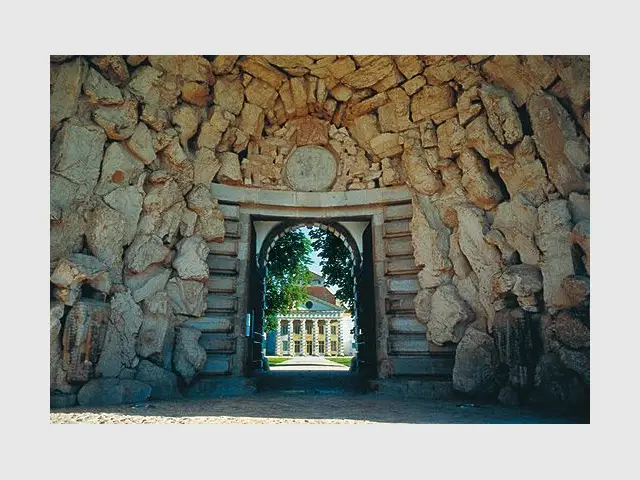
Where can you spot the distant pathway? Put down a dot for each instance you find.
(307, 374)
(309, 363)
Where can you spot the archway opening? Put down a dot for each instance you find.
(316, 320)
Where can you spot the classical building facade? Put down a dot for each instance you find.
(318, 327)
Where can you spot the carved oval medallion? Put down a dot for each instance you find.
(311, 169)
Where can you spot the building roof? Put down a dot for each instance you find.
(322, 293)
(317, 305)
(316, 276)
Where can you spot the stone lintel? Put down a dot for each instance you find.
(356, 198)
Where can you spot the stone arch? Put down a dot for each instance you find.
(358, 271)
(330, 226)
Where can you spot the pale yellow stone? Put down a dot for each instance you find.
(299, 93)
(415, 84)
(329, 107)
(196, 93)
(338, 116)
(468, 105)
(289, 61)
(481, 138)
(477, 58)
(368, 105)
(394, 116)
(193, 68)
(205, 166)
(321, 95)
(312, 85)
(541, 70)
(451, 138)
(310, 130)
(228, 93)
(386, 144)
(261, 93)
(444, 115)
(252, 120)
(430, 100)
(342, 93)
(260, 68)
(507, 71)
(212, 130)
(370, 74)
(287, 99)
(440, 73)
(363, 129)
(390, 81)
(409, 65)
(223, 64)
(363, 60)
(342, 67)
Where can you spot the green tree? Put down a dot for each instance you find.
(288, 276)
(336, 264)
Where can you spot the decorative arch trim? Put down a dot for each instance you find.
(330, 226)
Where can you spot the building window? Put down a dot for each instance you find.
(334, 345)
(309, 304)
(297, 346)
(334, 329)
(285, 346)
(321, 348)
(309, 328)
(321, 329)
(309, 347)
(284, 328)
(296, 327)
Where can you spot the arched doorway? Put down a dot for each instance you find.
(400, 347)
(264, 235)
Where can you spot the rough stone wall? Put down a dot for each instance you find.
(495, 149)
(501, 223)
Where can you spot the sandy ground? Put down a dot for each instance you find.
(278, 408)
(307, 390)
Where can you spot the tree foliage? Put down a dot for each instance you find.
(288, 275)
(336, 264)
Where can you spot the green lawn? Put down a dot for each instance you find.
(346, 361)
(276, 360)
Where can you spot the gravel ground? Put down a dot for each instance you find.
(279, 408)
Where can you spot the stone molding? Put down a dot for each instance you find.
(356, 198)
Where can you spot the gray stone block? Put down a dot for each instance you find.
(112, 391)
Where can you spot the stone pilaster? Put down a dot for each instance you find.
(291, 349)
(340, 342)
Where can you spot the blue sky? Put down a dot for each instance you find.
(315, 266)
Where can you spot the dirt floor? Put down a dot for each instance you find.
(279, 408)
